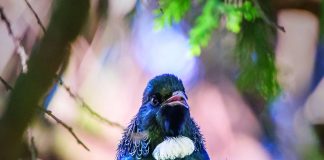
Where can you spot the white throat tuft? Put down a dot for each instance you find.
(174, 147)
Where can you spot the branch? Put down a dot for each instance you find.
(36, 16)
(9, 87)
(67, 20)
(49, 113)
(70, 129)
(76, 97)
(266, 18)
(67, 88)
(103, 119)
(61, 82)
(6, 84)
(32, 147)
(18, 47)
(8, 25)
(87, 106)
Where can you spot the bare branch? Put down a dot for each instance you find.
(98, 116)
(87, 106)
(67, 88)
(49, 113)
(34, 149)
(18, 47)
(6, 84)
(6, 21)
(32, 146)
(36, 16)
(266, 18)
(70, 129)
(66, 23)
(24, 58)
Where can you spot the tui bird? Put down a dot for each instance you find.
(163, 128)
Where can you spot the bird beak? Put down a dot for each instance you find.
(177, 98)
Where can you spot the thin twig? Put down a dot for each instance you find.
(266, 18)
(61, 82)
(36, 16)
(34, 149)
(6, 21)
(6, 84)
(18, 47)
(87, 107)
(9, 87)
(8, 25)
(32, 146)
(70, 129)
(103, 119)
(49, 113)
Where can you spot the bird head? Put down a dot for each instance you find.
(165, 106)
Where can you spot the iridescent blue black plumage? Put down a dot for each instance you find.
(164, 113)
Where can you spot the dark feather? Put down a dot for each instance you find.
(146, 130)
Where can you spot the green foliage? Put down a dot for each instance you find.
(256, 57)
(235, 15)
(210, 18)
(205, 24)
(208, 21)
(173, 11)
(258, 73)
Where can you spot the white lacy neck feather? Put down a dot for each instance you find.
(174, 147)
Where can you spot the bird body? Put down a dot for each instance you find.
(163, 128)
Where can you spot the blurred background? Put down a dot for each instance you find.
(119, 50)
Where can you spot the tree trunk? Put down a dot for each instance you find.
(65, 24)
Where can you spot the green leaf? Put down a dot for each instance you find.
(258, 73)
(195, 50)
(234, 20)
(205, 24)
(173, 11)
(256, 57)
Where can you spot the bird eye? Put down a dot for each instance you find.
(154, 101)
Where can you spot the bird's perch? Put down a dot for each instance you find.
(65, 24)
